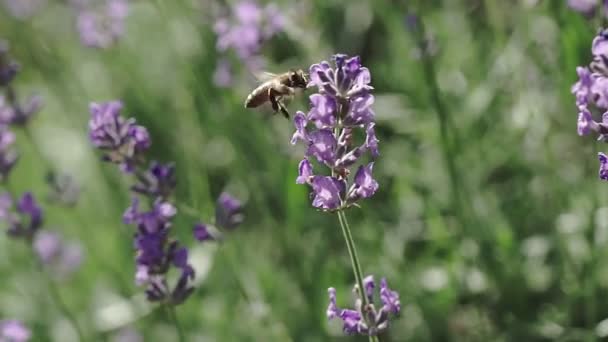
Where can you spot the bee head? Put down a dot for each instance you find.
(298, 78)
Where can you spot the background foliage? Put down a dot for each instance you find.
(518, 253)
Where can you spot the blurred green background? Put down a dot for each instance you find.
(518, 253)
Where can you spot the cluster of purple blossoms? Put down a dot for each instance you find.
(125, 143)
(588, 8)
(244, 32)
(366, 320)
(58, 255)
(14, 331)
(591, 92)
(340, 109)
(101, 26)
(24, 218)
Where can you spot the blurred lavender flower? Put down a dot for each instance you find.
(228, 216)
(14, 331)
(341, 106)
(60, 257)
(123, 141)
(366, 320)
(23, 9)
(8, 67)
(156, 253)
(8, 156)
(157, 181)
(104, 25)
(585, 7)
(245, 31)
(25, 219)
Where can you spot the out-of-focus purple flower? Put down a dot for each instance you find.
(123, 141)
(603, 166)
(245, 31)
(201, 232)
(61, 257)
(14, 331)
(366, 320)
(25, 220)
(8, 156)
(101, 27)
(342, 106)
(158, 181)
(583, 87)
(228, 211)
(23, 9)
(8, 67)
(128, 335)
(585, 7)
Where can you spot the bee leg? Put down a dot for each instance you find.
(274, 97)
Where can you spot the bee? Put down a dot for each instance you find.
(276, 88)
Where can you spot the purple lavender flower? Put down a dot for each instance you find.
(25, 219)
(202, 233)
(14, 331)
(366, 320)
(158, 181)
(228, 211)
(585, 7)
(103, 26)
(123, 141)
(342, 106)
(63, 258)
(8, 156)
(245, 31)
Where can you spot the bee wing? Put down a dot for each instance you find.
(264, 76)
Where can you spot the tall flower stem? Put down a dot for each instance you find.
(354, 261)
(173, 318)
(56, 297)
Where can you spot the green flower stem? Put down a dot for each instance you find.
(173, 318)
(354, 260)
(56, 297)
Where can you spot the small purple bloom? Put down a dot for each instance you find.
(14, 331)
(366, 320)
(27, 206)
(8, 156)
(201, 232)
(585, 122)
(300, 121)
(585, 7)
(365, 185)
(389, 298)
(122, 139)
(304, 172)
(63, 258)
(228, 211)
(582, 89)
(599, 46)
(158, 181)
(603, 166)
(103, 26)
(323, 146)
(8, 67)
(327, 192)
(371, 142)
(360, 112)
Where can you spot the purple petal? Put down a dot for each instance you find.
(323, 146)
(300, 122)
(603, 166)
(327, 192)
(323, 111)
(371, 142)
(304, 172)
(201, 232)
(332, 308)
(389, 298)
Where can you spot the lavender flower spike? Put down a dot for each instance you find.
(103, 26)
(342, 105)
(366, 320)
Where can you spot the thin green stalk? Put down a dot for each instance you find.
(174, 320)
(56, 297)
(354, 260)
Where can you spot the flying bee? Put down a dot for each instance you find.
(276, 88)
